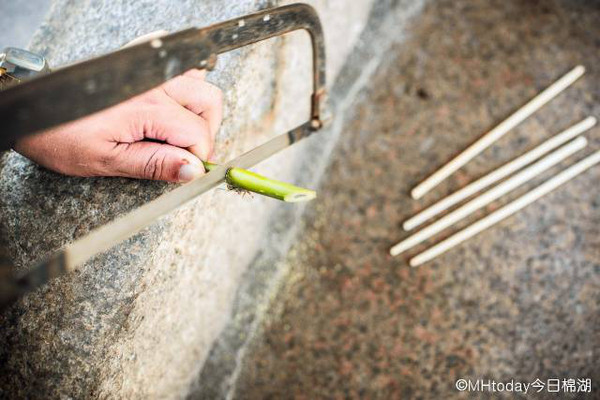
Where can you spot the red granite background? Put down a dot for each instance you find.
(521, 300)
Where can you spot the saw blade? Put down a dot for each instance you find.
(107, 236)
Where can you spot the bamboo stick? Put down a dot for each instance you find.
(507, 210)
(253, 182)
(491, 195)
(497, 132)
(499, 173)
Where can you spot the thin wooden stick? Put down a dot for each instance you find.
(496, 133)
(507, 210)
(491, 195)
(499, 173)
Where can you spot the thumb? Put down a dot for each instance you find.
(158, 161)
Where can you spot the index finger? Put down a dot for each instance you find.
(198, 96)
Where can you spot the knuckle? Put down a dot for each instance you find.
(194, 86)
(152, 97)
(173, 83)
(211, 93)
(217, 95)
(195, 73)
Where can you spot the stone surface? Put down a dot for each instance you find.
(385, 26)
(519, 301)
(19, 20)
(139, 320)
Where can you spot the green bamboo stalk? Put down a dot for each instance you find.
(253, 182)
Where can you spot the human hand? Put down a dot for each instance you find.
(162, 134)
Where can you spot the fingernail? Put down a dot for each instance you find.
(189, 172)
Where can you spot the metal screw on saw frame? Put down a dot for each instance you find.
(19, 64)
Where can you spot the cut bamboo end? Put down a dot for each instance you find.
(497, 132)
(209, 166)
(506, 211)
(496, 175)
(308, 195)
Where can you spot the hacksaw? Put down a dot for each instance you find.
(72, 92)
